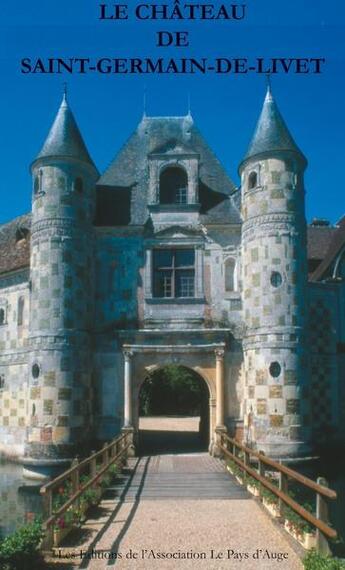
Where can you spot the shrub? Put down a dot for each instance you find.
(237, 471)
(113, 471)
(269, 497)
(252, 482)
(315, 561)
(20, 550)
(296, 521)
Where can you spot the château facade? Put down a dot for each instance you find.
(159, 260)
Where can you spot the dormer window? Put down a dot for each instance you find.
(173, 185)
(252, 180)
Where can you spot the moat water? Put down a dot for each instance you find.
(20, 499)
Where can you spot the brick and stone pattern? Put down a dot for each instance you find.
(274, 302)
(325, 415)
(62, 296)
(14, 298)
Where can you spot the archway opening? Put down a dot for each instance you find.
(173, 411)
(173, 185)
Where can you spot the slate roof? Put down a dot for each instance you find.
(15, 244)
(319, 239)
(122, 189)
(335, 245)
(271, 133)
(64, 138)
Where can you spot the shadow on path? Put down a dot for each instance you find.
(93, 546)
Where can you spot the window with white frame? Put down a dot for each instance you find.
(174, 273)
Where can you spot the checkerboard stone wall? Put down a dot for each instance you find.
(14, 290)
(323, 370)
(59, 400)
(273, 242)
(14, 334)
(62, 296)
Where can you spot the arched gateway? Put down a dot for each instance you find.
(207, 361)
(173, 411)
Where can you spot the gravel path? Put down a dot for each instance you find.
(138, 533)
(178, 511)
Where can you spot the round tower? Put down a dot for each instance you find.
(61, 303)
(274, 280)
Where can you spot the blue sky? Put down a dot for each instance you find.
(225, 108)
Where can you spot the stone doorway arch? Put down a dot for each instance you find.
(205, 360)
(178, 418)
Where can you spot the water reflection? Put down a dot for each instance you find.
(20, 500)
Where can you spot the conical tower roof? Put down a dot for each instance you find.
(64, 138)
(271, 133)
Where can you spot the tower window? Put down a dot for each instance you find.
(2, 381)
(275, 369)
(289, 165)
(173, 186)
(61, 183)
(78, 185)
(174, 273)
(2, 316)
(252, 180)
(35, 371)
(20, 311)
(276, 279)
(36, 184)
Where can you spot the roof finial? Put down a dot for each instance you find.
(144, 101)
(269, 84)
(189, 104)
(64, 96)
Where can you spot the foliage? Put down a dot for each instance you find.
(20, 550)
(315, 561)
(269, 497)
(236, 469)
(105, 480)
(172, 390)
(296, 521)
(113, 471)
(252, 482)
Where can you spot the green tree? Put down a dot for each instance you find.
(172, 390)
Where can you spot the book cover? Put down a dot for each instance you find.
(172, 264)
